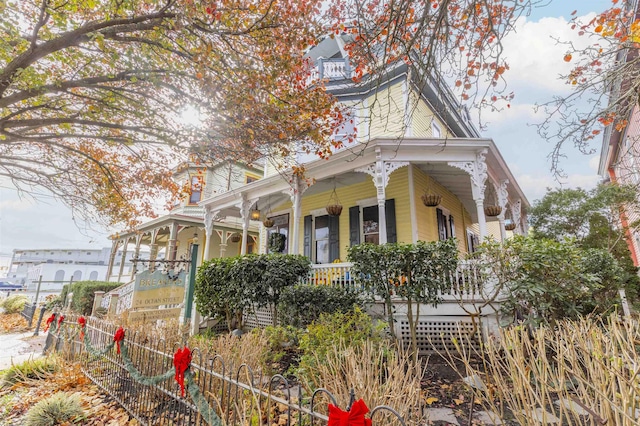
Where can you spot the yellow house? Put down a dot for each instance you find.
(412, 140)
(418, 170)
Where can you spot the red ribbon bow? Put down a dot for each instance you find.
(51, 319)
(83, 323)
(354, 417)
(60, 320)
(181, 361)
(118, 337)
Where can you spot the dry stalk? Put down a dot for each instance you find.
(379, 374)
(591, 362)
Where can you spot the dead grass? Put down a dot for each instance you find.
(588, 363)
(99, 408)
(378, 373)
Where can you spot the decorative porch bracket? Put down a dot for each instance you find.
(210, 216)
(503, 199)
(477, 170)
(380, 172)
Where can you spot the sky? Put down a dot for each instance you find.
(535, 61)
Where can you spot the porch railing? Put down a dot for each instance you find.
(331, 69)
(466, 282)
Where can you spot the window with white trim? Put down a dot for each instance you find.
(436, 130)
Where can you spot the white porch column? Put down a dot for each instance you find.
(224, 237)
(209, 217)
(296, 201)
(123, 258)
(477, 170)
(173, 239)
(380, 171)
(153, 250)
(112, 257)
(244, 207)
(503, 194)
(380, 181)
(516, 215)
(136, 255)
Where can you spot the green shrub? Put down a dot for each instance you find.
(301, 305)
(282, 340)
(38, 368)
(57, 409)
(52, 301)
(229, 286)
(352, 328)
(83, 294)
(14, 303)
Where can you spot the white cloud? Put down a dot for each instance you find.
(535, 57)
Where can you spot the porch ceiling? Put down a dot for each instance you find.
(456, 181)
(431, 155)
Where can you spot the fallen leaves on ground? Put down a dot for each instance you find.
(99, 408)
(12, 323)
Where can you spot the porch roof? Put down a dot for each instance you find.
(431, 155)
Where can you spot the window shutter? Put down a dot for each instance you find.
(354, 225)
(390, 213)
(334, 238)
(442, 225)
(452, 228)
(308, 225)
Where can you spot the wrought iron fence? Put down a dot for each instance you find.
(29, 312)
(237, 395)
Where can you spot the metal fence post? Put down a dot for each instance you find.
(191, 283)
(37, 332)
(33, 313)
(38, 291)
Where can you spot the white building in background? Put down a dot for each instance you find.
(59, 266)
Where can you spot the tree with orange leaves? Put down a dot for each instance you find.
(91, 91)
(605, 80)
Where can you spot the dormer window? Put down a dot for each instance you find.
(195, 189)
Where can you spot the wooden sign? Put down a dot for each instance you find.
(149, 315)
(155, 289)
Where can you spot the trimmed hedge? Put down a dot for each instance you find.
(83, 294)
(301, 305)
(228, 286)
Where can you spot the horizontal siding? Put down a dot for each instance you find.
(426, 216)
(349, 197)
(421, 118)
(387, 112)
